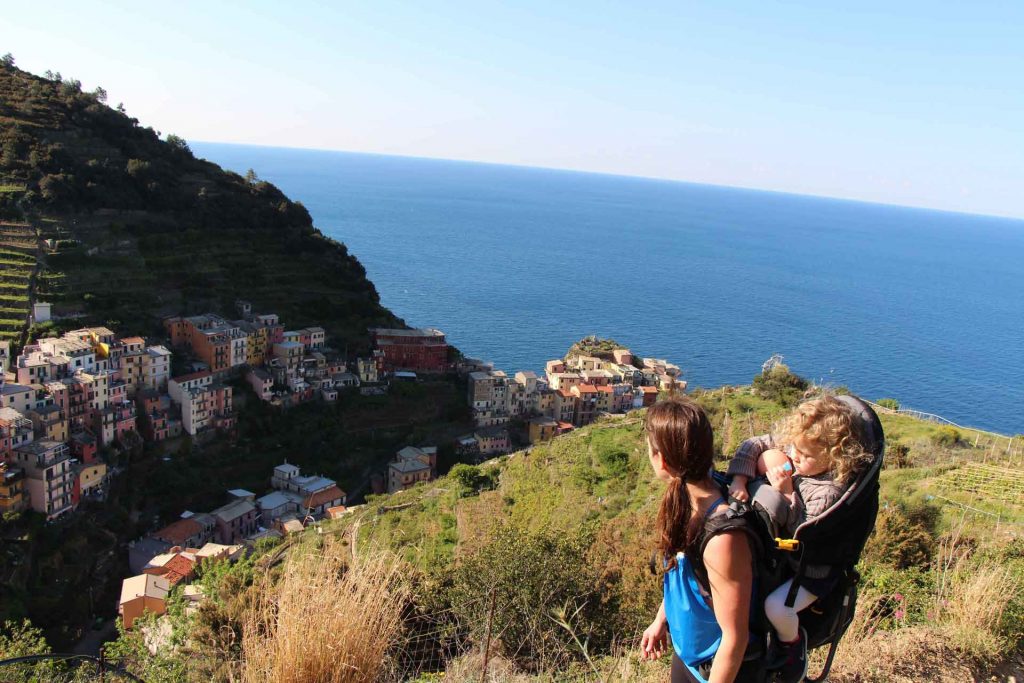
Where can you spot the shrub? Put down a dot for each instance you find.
(947, 437)
(779, 384)
(897, 455)
(471, 479)
(904, 536)
(534, 579)
(890, 403)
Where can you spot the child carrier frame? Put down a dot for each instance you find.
(836, 537)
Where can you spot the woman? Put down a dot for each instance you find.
(706, 603)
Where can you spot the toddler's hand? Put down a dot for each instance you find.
(781, 478)
(738, 489)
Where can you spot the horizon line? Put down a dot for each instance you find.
(563, 169)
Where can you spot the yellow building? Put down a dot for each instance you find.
(91, 476)
(12, 489)
(542, 429)
(256, 346)
(49, 422)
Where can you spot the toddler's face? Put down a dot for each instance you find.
(809, 458)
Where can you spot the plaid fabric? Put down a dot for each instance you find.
(744, 461)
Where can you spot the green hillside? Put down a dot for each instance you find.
(543, 557)
(140, 228)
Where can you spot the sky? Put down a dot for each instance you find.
(912, 103)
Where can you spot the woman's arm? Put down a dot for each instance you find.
(730, 572)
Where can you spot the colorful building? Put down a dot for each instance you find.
(422, 350)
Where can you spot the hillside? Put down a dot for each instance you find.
(541, 557)
(140, 228)
(117, 227)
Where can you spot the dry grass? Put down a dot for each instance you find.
(325, 619)
(963, 636)
(970, 601)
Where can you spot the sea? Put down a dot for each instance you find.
(514, 264)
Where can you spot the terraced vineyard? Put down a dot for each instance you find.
(19, 263)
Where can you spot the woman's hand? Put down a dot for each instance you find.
(738, 488)
(654, 642)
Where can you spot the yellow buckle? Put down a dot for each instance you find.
(790, 545)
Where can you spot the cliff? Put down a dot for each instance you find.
(140, 228)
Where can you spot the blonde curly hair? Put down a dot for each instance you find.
(828, 423)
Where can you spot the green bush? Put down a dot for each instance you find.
(947, 437)
(890, 403)
(897, 455)
(471, 479)
(535, 580)
(904, 536)
(781, 385)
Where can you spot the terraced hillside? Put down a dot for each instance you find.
(140, 228)
(19, 262)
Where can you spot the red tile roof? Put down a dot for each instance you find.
(649, 390)
(179, 568)
(606, 389)
(587, 388)
(179, 532)
(328, 495)
(337, 511)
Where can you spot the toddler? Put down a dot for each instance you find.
(821, 453)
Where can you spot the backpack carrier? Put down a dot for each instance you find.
(836, 537)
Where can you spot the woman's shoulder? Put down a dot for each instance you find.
(726, 547)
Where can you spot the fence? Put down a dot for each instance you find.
(62, 667)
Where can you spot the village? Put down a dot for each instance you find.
(72, 403)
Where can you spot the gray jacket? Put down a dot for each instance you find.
(815, 494)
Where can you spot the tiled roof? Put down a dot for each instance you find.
(178, 568)
(180, 531)
(326, 496)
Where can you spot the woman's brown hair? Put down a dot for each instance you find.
(679, 429)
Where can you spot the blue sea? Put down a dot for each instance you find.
(515, 264)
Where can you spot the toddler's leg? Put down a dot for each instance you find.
(785, 619)
(769, 459)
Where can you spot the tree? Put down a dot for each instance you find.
(251, 178)
(100, 94)
(178, 143)
(7, 60)
(890, 403)
(21, 640)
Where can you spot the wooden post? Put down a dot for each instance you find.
(487, 640)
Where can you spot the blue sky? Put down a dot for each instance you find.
(907, 103)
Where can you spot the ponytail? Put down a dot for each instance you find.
(673, 521)
(679, 429)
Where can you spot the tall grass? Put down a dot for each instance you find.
(326, 619)
(970, 600)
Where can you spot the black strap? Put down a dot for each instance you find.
(794, 586)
